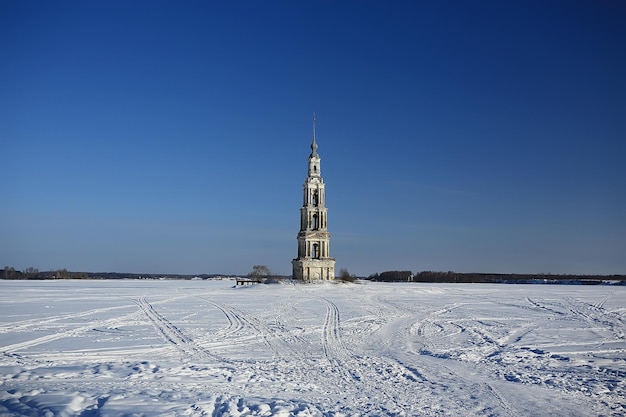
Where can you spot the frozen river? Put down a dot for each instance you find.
(204, 348)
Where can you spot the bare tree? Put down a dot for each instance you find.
(62, 274)
(9, 272)
(345, 276)
(31, 272)
(260, 271)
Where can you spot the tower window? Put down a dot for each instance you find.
(314, 199)
(314, 168)
(315, 225)
(316, 251)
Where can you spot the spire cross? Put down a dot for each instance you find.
(314, 143)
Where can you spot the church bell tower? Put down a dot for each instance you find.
(313, 261)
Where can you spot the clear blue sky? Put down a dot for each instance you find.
(151, 136)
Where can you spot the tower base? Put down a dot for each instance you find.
(308, 269)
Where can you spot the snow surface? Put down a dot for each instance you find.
(202, 348)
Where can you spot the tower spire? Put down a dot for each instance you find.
(314, 143)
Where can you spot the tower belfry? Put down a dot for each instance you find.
(313, 261)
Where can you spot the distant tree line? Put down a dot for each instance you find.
(392, 276)
(452, 277)
(33, 273)
(264, 274)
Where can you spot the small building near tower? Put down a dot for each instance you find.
(314, 262)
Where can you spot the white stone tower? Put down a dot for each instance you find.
(314, 261)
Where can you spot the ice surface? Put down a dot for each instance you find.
(205, 348)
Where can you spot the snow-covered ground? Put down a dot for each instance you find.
(202, 348)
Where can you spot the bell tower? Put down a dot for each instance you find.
(313, 261)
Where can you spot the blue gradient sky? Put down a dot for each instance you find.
(172, 137)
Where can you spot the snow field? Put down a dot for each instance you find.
(205, 348)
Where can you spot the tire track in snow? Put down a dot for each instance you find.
(239, 321)
(174, 335)
(334, 350)
(387, 380)
(542, 307)
(67, 333)
(600, 303)
(502, 355)
(434, 376)
(479, 390)
(595, 314)
(591, 313)
(29, 324)
(235, 323)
